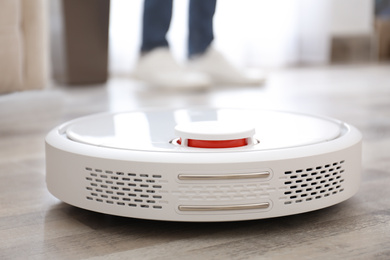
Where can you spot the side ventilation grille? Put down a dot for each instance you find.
(310, 184)
(224, 192)
(124, 188)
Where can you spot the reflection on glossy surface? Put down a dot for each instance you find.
(154, 129)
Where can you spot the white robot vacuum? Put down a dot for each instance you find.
(203, 164)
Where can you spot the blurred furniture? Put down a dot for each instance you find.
(382, 29)
(352, 48)
(23, 45)
(79, 40)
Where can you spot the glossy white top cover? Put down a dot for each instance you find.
(214, 130)
(154, 130)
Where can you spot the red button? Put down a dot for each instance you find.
(214, 134)
(217, 143)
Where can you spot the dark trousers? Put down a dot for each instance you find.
(157, 18)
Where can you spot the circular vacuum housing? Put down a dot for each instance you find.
(203, 164)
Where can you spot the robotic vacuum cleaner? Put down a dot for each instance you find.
(203, 164)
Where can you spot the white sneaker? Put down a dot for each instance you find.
(221, 71)
(160, 69)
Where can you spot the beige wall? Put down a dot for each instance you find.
(352, 17)
(23, 45)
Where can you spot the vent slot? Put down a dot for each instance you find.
(124, 189)
(313, 183)
(224, 192)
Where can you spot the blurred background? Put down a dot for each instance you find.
(260, 33)
(85, 42)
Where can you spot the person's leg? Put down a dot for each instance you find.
(205, 59)
(201, 13)
(156, 65)
(156, 20)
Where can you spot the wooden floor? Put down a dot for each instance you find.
(35, 225)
